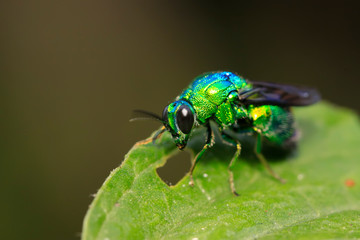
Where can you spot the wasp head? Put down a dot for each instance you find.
(178, 118)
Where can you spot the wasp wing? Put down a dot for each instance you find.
(264, 93)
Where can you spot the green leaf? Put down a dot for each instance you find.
(316, 202)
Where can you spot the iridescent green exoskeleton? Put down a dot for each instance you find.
(235, 104)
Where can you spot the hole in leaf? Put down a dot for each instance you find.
(175, 168)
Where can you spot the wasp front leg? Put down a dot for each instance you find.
(262, 159)
(209, 142)
(157, 135)
(234, 142)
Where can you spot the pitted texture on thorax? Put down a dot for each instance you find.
(209, 92)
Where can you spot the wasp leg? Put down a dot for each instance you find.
(152, 139)
(209, 142)
(228, 139)
(263, 160)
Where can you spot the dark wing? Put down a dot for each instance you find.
(264, 93)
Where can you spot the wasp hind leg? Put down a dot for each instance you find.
(234, 142)
(262, 159)
(157, 135)
(209, 142)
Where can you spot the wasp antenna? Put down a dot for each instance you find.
(142, 114)
(138, 119)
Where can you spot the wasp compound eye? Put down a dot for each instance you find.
(184, 118)
(165, 114)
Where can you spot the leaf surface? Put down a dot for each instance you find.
(321, 198)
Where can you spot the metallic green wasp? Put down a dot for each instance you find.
(235, 104)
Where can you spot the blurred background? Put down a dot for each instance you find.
(71, 72)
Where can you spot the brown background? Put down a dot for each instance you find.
(72, 71)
